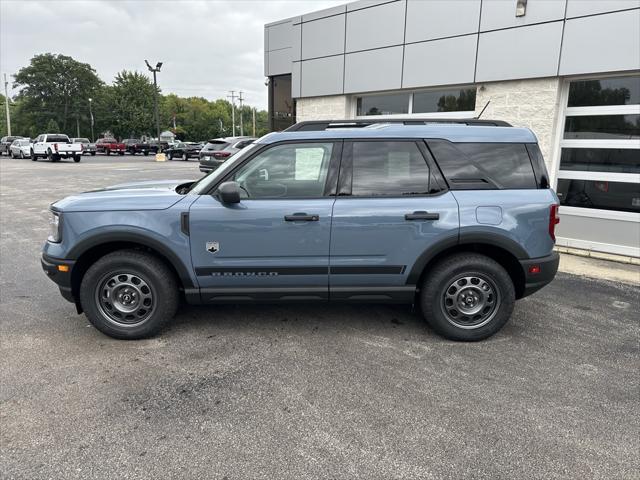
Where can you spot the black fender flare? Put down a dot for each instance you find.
(464, 238)
(105, 238)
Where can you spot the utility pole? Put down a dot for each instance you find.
(241, 122)
(77, 126)
(91, 115)
(6, 105)
(155, 96)
(254, 121)
(233, 97)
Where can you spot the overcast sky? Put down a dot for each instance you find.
(208, 47)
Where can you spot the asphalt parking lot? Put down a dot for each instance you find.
(302, 391)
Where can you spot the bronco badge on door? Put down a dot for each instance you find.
(213, 247)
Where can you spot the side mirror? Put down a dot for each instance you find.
(229, 192)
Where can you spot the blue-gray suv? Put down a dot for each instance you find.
(457, 219)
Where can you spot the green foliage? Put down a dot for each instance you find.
(54, 87)
(57, 88)
(131, 100)
(52, 127)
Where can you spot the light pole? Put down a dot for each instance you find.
(233, 97)
(240, 99)
(91, 116)
(155, 97)
(6, 103)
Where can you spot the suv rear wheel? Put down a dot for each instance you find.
(467, 297)
(129, 294)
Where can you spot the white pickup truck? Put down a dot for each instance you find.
(55, 146)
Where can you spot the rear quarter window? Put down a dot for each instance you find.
(471, 166)
(58, 138)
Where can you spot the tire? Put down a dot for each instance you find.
(33, 156)
(76, 158)
(139, 275)
(170, 156)
(121, 153)
(108, 152)
(467, 297)
(185, 157)
(93, 154)
(52, 157)
(21, 154)
(145, 153)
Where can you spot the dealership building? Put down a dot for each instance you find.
(567, 69)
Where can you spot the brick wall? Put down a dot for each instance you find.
(334, 107)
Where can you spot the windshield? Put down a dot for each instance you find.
(80, 140)
(207, 181)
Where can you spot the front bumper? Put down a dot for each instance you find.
(536, 278)
(51, 266)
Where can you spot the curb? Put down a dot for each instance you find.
(598, 255)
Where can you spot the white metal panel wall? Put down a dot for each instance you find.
(429, 35)
(601, 43)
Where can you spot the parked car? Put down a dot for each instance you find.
(135, 145)
(88, 147)
(55, 146)
(109, 146)
(458, 219)
(184, 151)
(219, 150)
(5, 143)
(20, 148)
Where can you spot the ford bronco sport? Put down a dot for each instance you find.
(457, 218)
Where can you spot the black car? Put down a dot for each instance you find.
(135, 145)
(6, 142)
(218, 150)
(184, 151)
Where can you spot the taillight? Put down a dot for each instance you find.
(554, 219)
(55, 147)
(222, 154)
(81, 147)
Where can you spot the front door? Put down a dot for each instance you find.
(392, 207)
(274, 244)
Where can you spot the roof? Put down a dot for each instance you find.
(451, 132)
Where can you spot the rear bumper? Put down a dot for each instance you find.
(548, 267)
(62, 279)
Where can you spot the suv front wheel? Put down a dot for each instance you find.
(467, 297)
(129, 294)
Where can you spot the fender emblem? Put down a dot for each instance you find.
(213, 247)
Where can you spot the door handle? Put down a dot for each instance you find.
(301, 217)
(422, 215)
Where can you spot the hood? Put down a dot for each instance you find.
(153, 195)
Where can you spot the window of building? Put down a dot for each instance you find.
(599, 169)
(389, 168)
(418, 102)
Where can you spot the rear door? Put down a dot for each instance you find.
(392, 206)
(274, 244)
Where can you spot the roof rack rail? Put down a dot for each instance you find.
(318, 125)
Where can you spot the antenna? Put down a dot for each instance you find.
(482, 111)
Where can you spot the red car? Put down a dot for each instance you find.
(109, 146)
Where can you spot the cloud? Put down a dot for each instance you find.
(207, 47)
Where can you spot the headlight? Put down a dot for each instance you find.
(54, 228)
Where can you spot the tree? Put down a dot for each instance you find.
(52, 127)
(132, 103)
(55, 87)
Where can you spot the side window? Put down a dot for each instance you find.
(285, 171)
(389, 168)
(484, 165)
